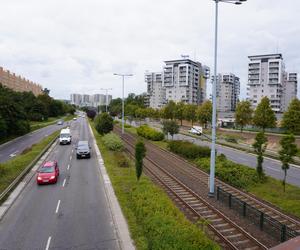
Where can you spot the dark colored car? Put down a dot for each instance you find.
(48, 173)
(83, 150)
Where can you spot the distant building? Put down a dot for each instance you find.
(267, 77)
(90, 100)
(228, 91)
(185, 81)
(18, 83)
(156, 93)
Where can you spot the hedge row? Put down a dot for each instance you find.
(150, 133)
(188, 149)
(232, 173)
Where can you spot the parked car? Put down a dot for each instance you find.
(83, 150)
(197, 130)
(48, 173)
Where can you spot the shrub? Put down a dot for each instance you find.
(113, 142)
(232, 173)
(150, 133)
(91, 114)
(127, 126)
(231, 139)
(122, 160)
(188, 149)
(103, 123)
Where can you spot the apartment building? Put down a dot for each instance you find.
(156, 93)
(90, 100)
(267, 77)
(228, 91)
(18, 83)
(185, 81)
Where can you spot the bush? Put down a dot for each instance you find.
(127, 126)
(188, 149)
(91, 114)
(113, 142)
(150, 133)
(231, 139)
(103, 123)
(232, 173)
(122, 160)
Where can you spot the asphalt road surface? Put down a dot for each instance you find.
(16, 147)
(271, 167)
(71, 214)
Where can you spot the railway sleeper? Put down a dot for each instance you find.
(233, 236)
(221, 225)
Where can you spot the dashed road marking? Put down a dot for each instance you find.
(57, 207)
(48, 243)
(68, 166)
(70, 157)
(64, 182)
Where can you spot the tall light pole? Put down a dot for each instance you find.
(214, 99)
(123, 76)
(106, 102)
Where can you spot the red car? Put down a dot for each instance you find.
(48, 173)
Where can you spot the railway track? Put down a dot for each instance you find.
(187, 168)
(197, 208)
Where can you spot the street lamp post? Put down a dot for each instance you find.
(214, 99)
(123, 76)
(106, 102)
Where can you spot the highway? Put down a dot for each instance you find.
(71, 214)
(15, 147)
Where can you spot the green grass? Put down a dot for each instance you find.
(12, 168)
(51, 120)
(154, 222)
(272, 191)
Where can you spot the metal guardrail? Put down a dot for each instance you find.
(266, 223)
(25, 171)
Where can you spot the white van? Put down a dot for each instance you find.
(65, 136)
(197, 130)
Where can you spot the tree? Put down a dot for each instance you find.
(170, 126)
(179, 110)
(291, 118)
(189, 112)
(130, 111)
(264, 116)
(140, 153)
(243, 114)
(91, 113)
(104, 123)
(260, 146)
(204, 113)
(115, 107)
(140, 113)
(286, 154)
(168, 112)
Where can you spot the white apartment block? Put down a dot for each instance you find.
(267, 77)
(90, 100)
(156, 93)
(228, 91)
(185, 81)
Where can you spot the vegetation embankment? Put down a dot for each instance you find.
(241, 176)
(150, 133)
(154, 222)
(11, 169)
(18, 109)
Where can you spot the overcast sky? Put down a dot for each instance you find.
(75, 46)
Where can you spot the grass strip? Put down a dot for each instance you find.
(154, 221)
(51, 120)
(9, 170)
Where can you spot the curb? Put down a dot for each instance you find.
(20, 187)
(120, 222)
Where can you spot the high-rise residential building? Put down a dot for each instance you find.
(267, 77)
(76, 99)
(156, 93)
(90, 100)
(18, 83)
(185, 80)
(228, 91)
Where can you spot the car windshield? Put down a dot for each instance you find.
(64, 135)
(46, 170)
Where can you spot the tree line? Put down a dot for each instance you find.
(17, 109)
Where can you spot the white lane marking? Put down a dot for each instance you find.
(13, 154)
(48, 243)
(70, 157)
(57, 207)
(64, 182)
(72, 151)
(68, 166)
